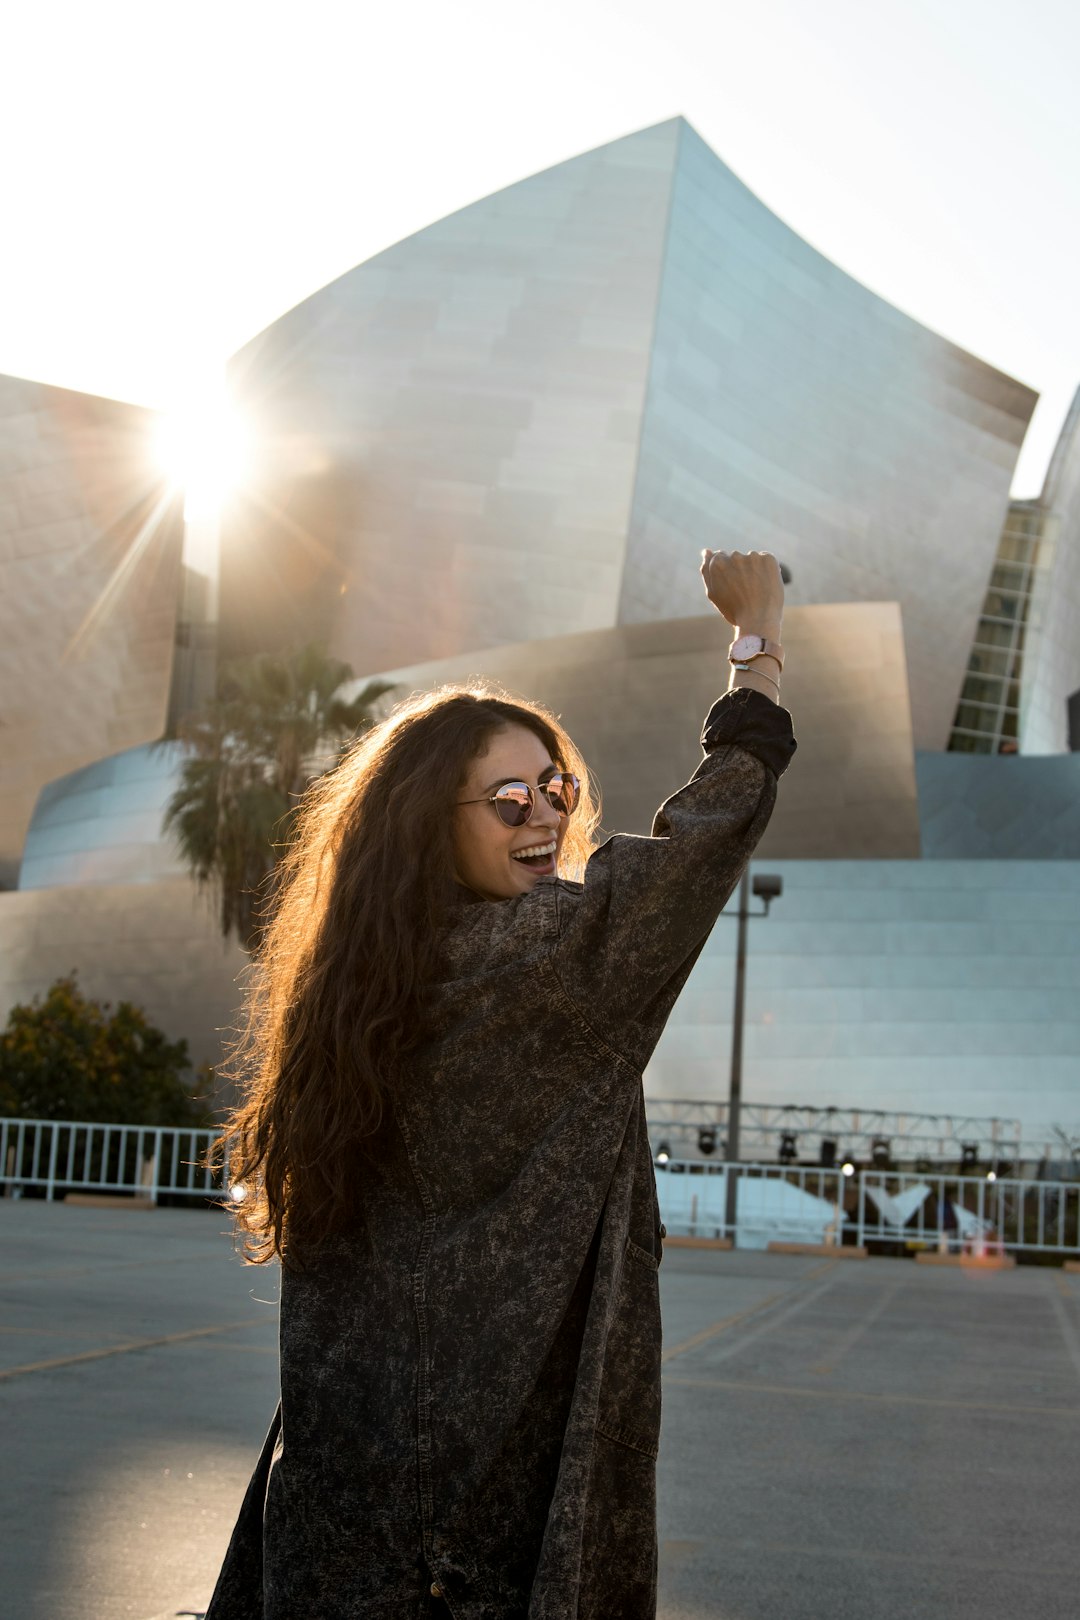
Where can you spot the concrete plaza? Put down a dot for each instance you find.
(871, 1439)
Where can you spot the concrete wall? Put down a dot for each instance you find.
(155, 943)
(89, 571)
(634, 700)
(945, 987)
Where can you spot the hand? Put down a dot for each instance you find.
(747, 588)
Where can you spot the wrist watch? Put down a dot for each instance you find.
(748, 647)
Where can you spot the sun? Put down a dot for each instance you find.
(203, 446)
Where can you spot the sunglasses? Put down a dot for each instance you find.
(515, 801)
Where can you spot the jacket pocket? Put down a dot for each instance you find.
(629, 1406)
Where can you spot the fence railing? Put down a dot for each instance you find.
(72, 1156)
(974, 1214)
(957, 1214)
(785, 1203)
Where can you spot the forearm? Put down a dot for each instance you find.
(763, 667)
(747, 588)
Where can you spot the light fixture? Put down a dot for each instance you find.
(969, 1158)
(881, 1153)
(663, 1153)
(238, 1192)
(847, 1168)
(828, 1153)
(706, 1139)
(789, 1147)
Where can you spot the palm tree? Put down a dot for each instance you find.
(274, 726)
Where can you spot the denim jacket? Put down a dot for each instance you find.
(470, 1389)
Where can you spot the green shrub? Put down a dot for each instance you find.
(67, 1057)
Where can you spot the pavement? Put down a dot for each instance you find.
(872, 1439)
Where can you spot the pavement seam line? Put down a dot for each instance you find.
(690, 1382)
(1068, 1330)
(919, 1560)
(121, 1349)
(92, 1268)
(716, 1328)
(778, 1318)
(850, 1339)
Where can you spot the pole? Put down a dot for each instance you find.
(735, 1090)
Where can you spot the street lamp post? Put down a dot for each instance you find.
(764, 888)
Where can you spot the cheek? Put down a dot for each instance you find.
(477, 847)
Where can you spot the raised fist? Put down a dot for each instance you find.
(747, 588)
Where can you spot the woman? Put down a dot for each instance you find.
(444, 1140)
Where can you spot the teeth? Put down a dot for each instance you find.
(537, 849)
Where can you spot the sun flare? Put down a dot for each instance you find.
(203, 446)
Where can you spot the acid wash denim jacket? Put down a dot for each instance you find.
(470, 1388)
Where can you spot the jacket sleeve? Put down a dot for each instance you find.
(629, 935)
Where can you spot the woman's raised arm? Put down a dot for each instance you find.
(629, 935)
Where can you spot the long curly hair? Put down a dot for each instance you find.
(336, 991)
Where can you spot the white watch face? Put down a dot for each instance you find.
(745, 647)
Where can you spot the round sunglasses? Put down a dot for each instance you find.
(515, 801)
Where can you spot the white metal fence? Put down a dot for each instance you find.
(774, 1203)
(70, 1156)
(968, 1214)
(901, 1212)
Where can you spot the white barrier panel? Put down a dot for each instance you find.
(80, 1156)
(774, 1203)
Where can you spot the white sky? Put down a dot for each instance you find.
(178, 175)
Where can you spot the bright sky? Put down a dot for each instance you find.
(178, 175)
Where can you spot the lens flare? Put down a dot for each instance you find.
(203, 446)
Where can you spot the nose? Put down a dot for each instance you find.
(545, 814)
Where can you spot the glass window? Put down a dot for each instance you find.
(986, 661)
(999, 605)
(972, 718)
(994, 635)
(1009, 577)
(1014, 548)
(1008, 725)
(977, 689)
(962, 743)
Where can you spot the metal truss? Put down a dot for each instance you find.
(854, 1130)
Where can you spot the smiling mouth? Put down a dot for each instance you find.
(540, 858)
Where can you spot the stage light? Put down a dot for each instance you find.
(828, 1153)
(789, 1147)
(663, 1153)
(881, 1153)
(706, 1139)
(969, 1158)
(847, 1168)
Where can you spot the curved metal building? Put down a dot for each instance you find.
(527, 419)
